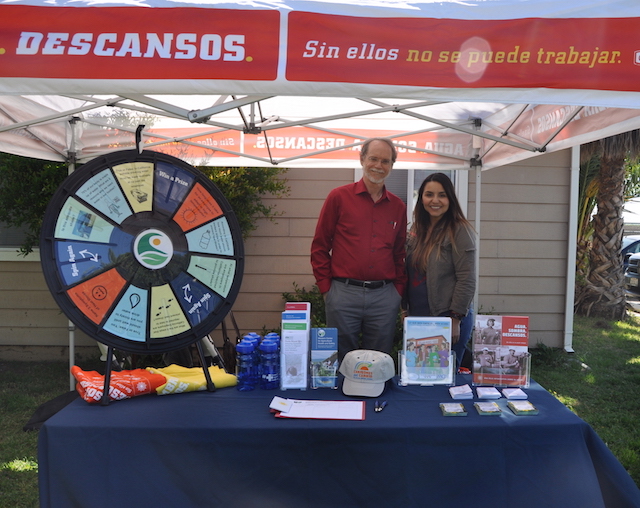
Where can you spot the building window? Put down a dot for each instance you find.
(11, 237)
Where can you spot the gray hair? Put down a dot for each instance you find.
(365, 148)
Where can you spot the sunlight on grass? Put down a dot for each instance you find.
(634, 361)
(570, 402)
(589, 378)
(20, 465)
(629, 328)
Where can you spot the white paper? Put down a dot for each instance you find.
(488, 392)
(280, 404)
(514, 394)
(461, 392)
(325, 409)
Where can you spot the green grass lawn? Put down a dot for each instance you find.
(600, 382)
(23, 387)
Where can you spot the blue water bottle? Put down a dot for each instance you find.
(255, 342)
(273, 336)
(269, 365)
(245, 367)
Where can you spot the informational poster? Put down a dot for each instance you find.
(426, 357)
(142, 252)
(501, 351)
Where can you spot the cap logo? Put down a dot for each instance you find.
(362, 371)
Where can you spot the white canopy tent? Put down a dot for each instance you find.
(459, 85)
(493, 81)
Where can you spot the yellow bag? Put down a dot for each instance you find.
(183, 379)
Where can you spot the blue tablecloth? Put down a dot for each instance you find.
(226, 449)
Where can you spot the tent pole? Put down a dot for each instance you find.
(571, 249)
(71, 157)
(478, 198)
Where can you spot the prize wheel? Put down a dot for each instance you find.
(142, 252)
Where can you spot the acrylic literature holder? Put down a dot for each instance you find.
(500, 351)
(426, 357)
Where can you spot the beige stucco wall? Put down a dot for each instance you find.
(524, 243)
(523, 248)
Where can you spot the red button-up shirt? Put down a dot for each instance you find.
(358, 239)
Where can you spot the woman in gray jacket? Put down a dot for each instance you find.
(441, 261)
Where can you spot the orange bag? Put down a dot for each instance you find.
(122, 385)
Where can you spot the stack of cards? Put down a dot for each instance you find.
(461, 392)
(487, 408)
(522, 407)
(487, 392)
(514, 393)
(452, 409)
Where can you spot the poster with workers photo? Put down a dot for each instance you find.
(501, 351)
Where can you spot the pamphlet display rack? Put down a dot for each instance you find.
(501, 351)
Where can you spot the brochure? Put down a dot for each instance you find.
(501, 351)
(294, 346)
(426, 357)
(324, 357)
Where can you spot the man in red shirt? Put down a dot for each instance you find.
(358, 252)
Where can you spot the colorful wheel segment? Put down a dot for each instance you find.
(142, 252)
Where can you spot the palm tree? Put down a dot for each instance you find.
(603, 294)
(587, 203)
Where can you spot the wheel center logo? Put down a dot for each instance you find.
(153, 249)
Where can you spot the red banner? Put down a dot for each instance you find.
(586, 53)
(299, 141)
(138, 43)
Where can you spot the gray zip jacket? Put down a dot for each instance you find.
(451, 274)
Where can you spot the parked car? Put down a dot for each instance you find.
(630, 245)
(631, 275)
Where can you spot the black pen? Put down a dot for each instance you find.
(380, 406)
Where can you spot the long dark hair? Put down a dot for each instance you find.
(423, 238)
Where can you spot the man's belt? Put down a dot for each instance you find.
(369, 284)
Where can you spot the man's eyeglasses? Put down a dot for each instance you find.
(375, 160)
